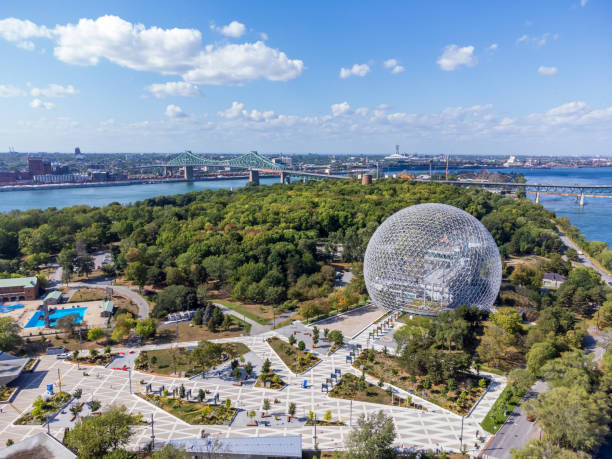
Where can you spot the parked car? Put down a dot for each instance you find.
(65, 355)
(530, 417)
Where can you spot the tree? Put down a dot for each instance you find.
(227, 321)
(266, 404)
(248, 369)
(93, 353)
(197, 318)
(174, 298)
(372, 437)
(146, 327)
(538, 355)
(123, 324)
(545, 449)
(292, 339)
(571, 417)
(292, 409)
(85, 264)
(182, 391)
(94, 405)
(336, 337)
(206, 354)
(9, 334)
(66, 323)
(265, 368)
(212, 325)
(527, 276)
(201, 395)
(571, 369)
(508, 320)
(170, 452)
(78, 393)
(95, 334)
(328, 416)
(95, 436)
(492, 349)
(120, 454)
(138, 273)
(301, 345)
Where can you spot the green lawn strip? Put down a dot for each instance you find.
(41, 409)
(244, 312)
(289, 354)
(165, 361)
(194, 413)
(241, 323)
(324, 423)
(389, 368)
(349, 388)
(495, 417)
(495, 371)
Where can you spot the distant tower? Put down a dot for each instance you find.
(77, 151)
(397, 149)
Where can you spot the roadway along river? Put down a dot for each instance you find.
(595, 220)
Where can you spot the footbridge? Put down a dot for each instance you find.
(252, 161)
(579, 192)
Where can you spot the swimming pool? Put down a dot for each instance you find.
(7, 308)
(38, 320)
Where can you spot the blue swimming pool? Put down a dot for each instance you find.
(37, 319)
(9, 308)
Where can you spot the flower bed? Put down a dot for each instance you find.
(297, 361)
(194, 413)
(276, 382)
(6, 393)
(465, 390)
(352, 387)
(41, 409)
(100, 359)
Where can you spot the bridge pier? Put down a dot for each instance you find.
(189, 173)
(537, 199)
(284, 178)
(254, 177)
(582, 199)
(165, 171)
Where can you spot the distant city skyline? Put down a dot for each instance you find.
(473, 77)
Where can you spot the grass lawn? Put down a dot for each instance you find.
(189, 332)
(389, 368)
(165, 361)
(419, 321)
(297, 361)
(349, 389)
(259, 313)
(87, 294)
(193, 412)
(495, 417)
(41, 409)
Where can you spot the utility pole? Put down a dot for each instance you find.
(130, 378)
(152, 432)
(59, 379)
(315, 431)
(461, 440)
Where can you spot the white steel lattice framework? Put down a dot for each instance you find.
(431, 257)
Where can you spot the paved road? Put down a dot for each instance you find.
(585, 261)
(516, 431)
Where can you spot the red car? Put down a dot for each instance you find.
(530, 418)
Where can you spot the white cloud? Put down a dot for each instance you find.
(263, 36)
(583, 2)
(356, 70)
(174, 111)
(167, 51)
(234, 29)
(20, 32)
(237, 111)
(54, 90)
(394, 66)
(493, 47)
(173, 89)
(37, 103)
(340, 109)
(454, 57)
(537, 40)
(10, 91)
(548, 71)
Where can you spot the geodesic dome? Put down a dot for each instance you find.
(431, 257)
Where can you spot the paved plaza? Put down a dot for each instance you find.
(434, 428)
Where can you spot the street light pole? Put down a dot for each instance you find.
(130, 378)
(461, 440)
(152, 432)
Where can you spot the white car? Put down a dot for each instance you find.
(64, 355)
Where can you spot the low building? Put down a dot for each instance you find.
(39, 446)
(10, 367)
(107, 308)
(553, 280)
(54, 297)
(19, 289)
(242, 448)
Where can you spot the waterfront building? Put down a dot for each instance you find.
(38, 166)
(19, 289)
(64, 178)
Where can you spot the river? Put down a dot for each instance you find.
(594, 220)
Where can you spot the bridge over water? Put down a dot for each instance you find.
(577, 191)
(252, 161)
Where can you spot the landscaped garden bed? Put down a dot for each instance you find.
(196, 413)
(267, 375)
(298, 361)
(6, 393)
(30, 365)
(334, 347)
(178, 360)
(41, 409)
(95, 359)
(457, 394)
(352, 387)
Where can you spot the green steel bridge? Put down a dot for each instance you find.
(252, 161)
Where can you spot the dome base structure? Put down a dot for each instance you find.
(429, 258)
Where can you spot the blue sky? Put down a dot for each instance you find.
(358, 77)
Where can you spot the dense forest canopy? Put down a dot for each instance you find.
(265, 243)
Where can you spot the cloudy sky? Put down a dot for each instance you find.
(312, 76)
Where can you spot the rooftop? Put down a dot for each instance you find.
(56, 294)
(108, 306)
(279, 446)
(39, 446)
(19, 282)
(10, 367)
(555, 277)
